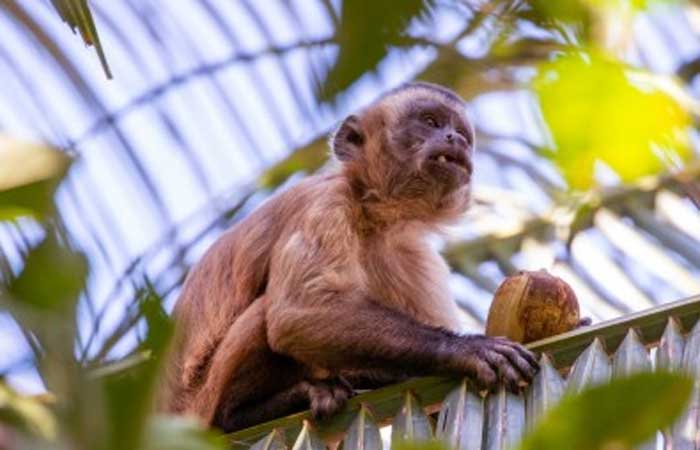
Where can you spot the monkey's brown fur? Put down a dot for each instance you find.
(332, 281)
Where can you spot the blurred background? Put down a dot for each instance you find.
(185, 115)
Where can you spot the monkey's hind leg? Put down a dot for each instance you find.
(324, 398)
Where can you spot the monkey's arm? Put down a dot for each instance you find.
(355, 333)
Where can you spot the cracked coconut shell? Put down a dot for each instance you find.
(532, 305)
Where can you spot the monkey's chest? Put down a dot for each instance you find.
(415, 282)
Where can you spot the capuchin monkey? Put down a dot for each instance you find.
(331, 285)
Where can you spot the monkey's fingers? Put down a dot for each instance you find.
(509, 375)
(526, 366)
(481, 372)
(525, 353)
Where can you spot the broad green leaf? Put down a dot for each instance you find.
(597, 109)
(29, 174)
(180, 433)
(620, 415)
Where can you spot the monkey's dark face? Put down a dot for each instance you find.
(415, 143)
(434, 142)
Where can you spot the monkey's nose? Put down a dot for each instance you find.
(450, 137)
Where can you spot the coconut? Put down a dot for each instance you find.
(532, 305)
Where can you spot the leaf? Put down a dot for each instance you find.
(686, 432)
(669, 353)
(669, 357)
(363, 434)
(308, 439)
(367, 29)
(129, 394)
(461, 419)
(592, 367)
(411, 423)
(26, 414)
(29, 175)
(43, 300)
(631, 356)
(273, 441)
(620, 415)
(51, 281)
(505, 420)
(610, 115)
(544, 393)
(78, 17)
(181, 433)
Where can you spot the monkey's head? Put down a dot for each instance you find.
(413, 146)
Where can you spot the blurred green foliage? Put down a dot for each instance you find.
(28, 191)
(608, 116)
(93, 409)
(620, 415)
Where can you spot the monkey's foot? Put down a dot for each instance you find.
(327, 397)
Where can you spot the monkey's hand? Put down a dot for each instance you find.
(491, 361)
(327, 397)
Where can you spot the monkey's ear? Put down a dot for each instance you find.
(348, 139)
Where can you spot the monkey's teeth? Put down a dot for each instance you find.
(442, 159)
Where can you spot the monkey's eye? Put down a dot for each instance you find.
(464, 133)
(430, 120)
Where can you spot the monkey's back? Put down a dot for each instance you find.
(229, 277)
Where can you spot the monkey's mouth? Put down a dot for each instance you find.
(452, 159)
